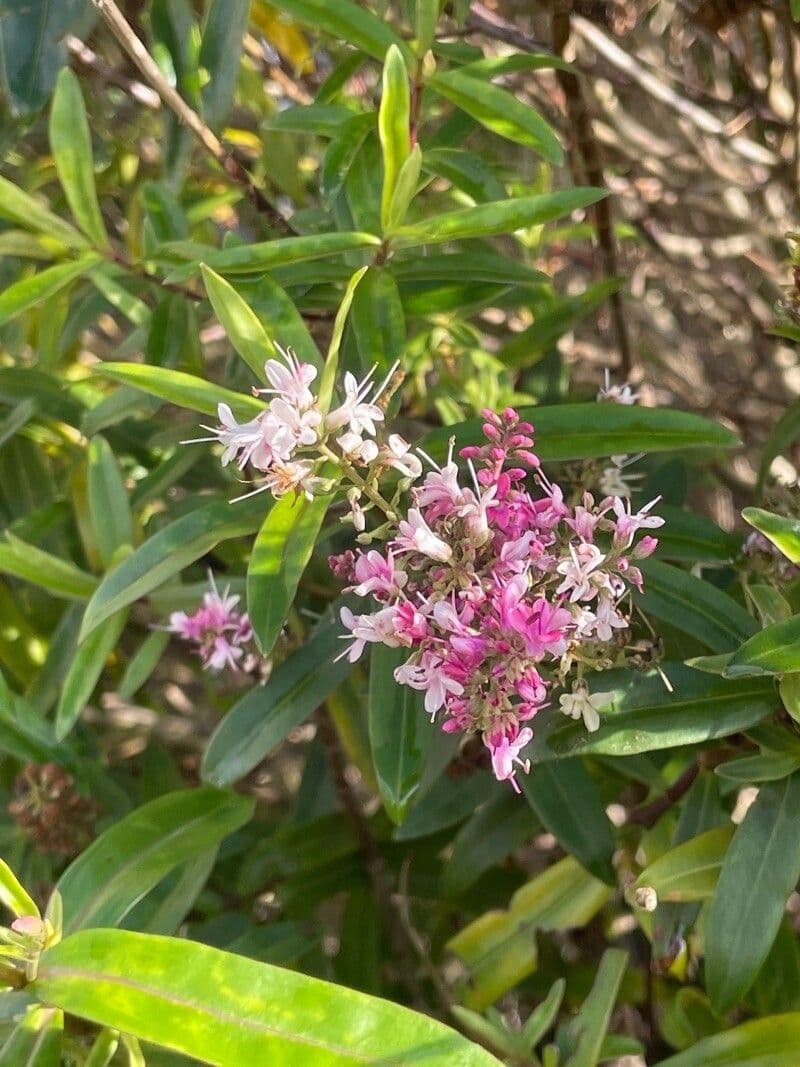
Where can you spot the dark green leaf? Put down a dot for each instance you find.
(398, 732)
(85, 670)
(258, 722)
(35, 1041)
(223, 33)
(566, 800)
(109, 509)
(348, 21)
(377, 320)
(643, 714)
(761, 868)
(770, 1042)
(280, 554)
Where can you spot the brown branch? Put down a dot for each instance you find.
(186, 115)
(377, 868)
(482, 19)
(648, 814)
(581, 122)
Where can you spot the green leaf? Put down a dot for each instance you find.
(184, 390)
(224, 28)
(761, 868)
(689, 537)
(280, 555)
(774, 650)
(491, 834)
(588, 431)
(142, 664)
(404, 189)
(393, 126)
(499, 111)
(84, 672)
(592, 1021)
(770, 1042)
(103, 1049)
(398, 732)
(230, 1011)
(71, 143)
(690, 870)
(348, 21)
(467, 172)
(693, 606)
(766, 767)
(527, 348)
(566, 800)
(34, 290)
(544, 1015)
(165, 554)
(35, 1041)
(377, 320)
(499, 66)
(643, 714)
(427, 16)
(266, 255)
(13, 895)
(57, 576)
(244, 331)
(26, 211)
(769, 603)
(32, 48)
(500, 946)
(782, 532)
(505, 216)
(258, 722)
(328, 378)
(478, 266)
(109, 509)
(783, 434)
(131, 857)
(280, 318)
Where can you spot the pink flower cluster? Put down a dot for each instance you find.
(219, 632)
(498, 591)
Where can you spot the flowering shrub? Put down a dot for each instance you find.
(374, 684)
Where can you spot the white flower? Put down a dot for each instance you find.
(577, 571)
(630, 522)
(364, 629)
(291, 382)
(244, 438)
(282, 478)
(356, 450)
(417, 536)
(356, 411)
(581, 703)
(617, 394)
(395, 453)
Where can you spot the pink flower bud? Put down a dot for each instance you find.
(646, 547)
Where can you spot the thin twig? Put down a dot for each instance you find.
(377, 868)
(581, 123)
(186, 115)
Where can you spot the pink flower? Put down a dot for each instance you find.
(290, 381)
(429, 675)
(377, 574)
(217, 629)
(578, 569)
(417, 536)
(629, 522)
(440, 493)
(505, 752)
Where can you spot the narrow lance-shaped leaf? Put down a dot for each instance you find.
(760, 870)
(128, 859)
(404, 190)
(13, 895)
(108, 501)
(505, 216)
(690, 870)
(85, 671)
(183, 390)
(58, 576)
(393, 126)
(348, 21)
(258, 722)
(29, 292)
(26, 211)
(35, 1041)
(783, 532)
(280, 554)
(768, 1042)
(773, 650)
(71, 143)
(499, 111)
(221, 49)
(244, 331)
(229, 1010)
(398, 732)
(567, 801)
(328, 378)
(267, 255)
(592, 1021)
(165, 554)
